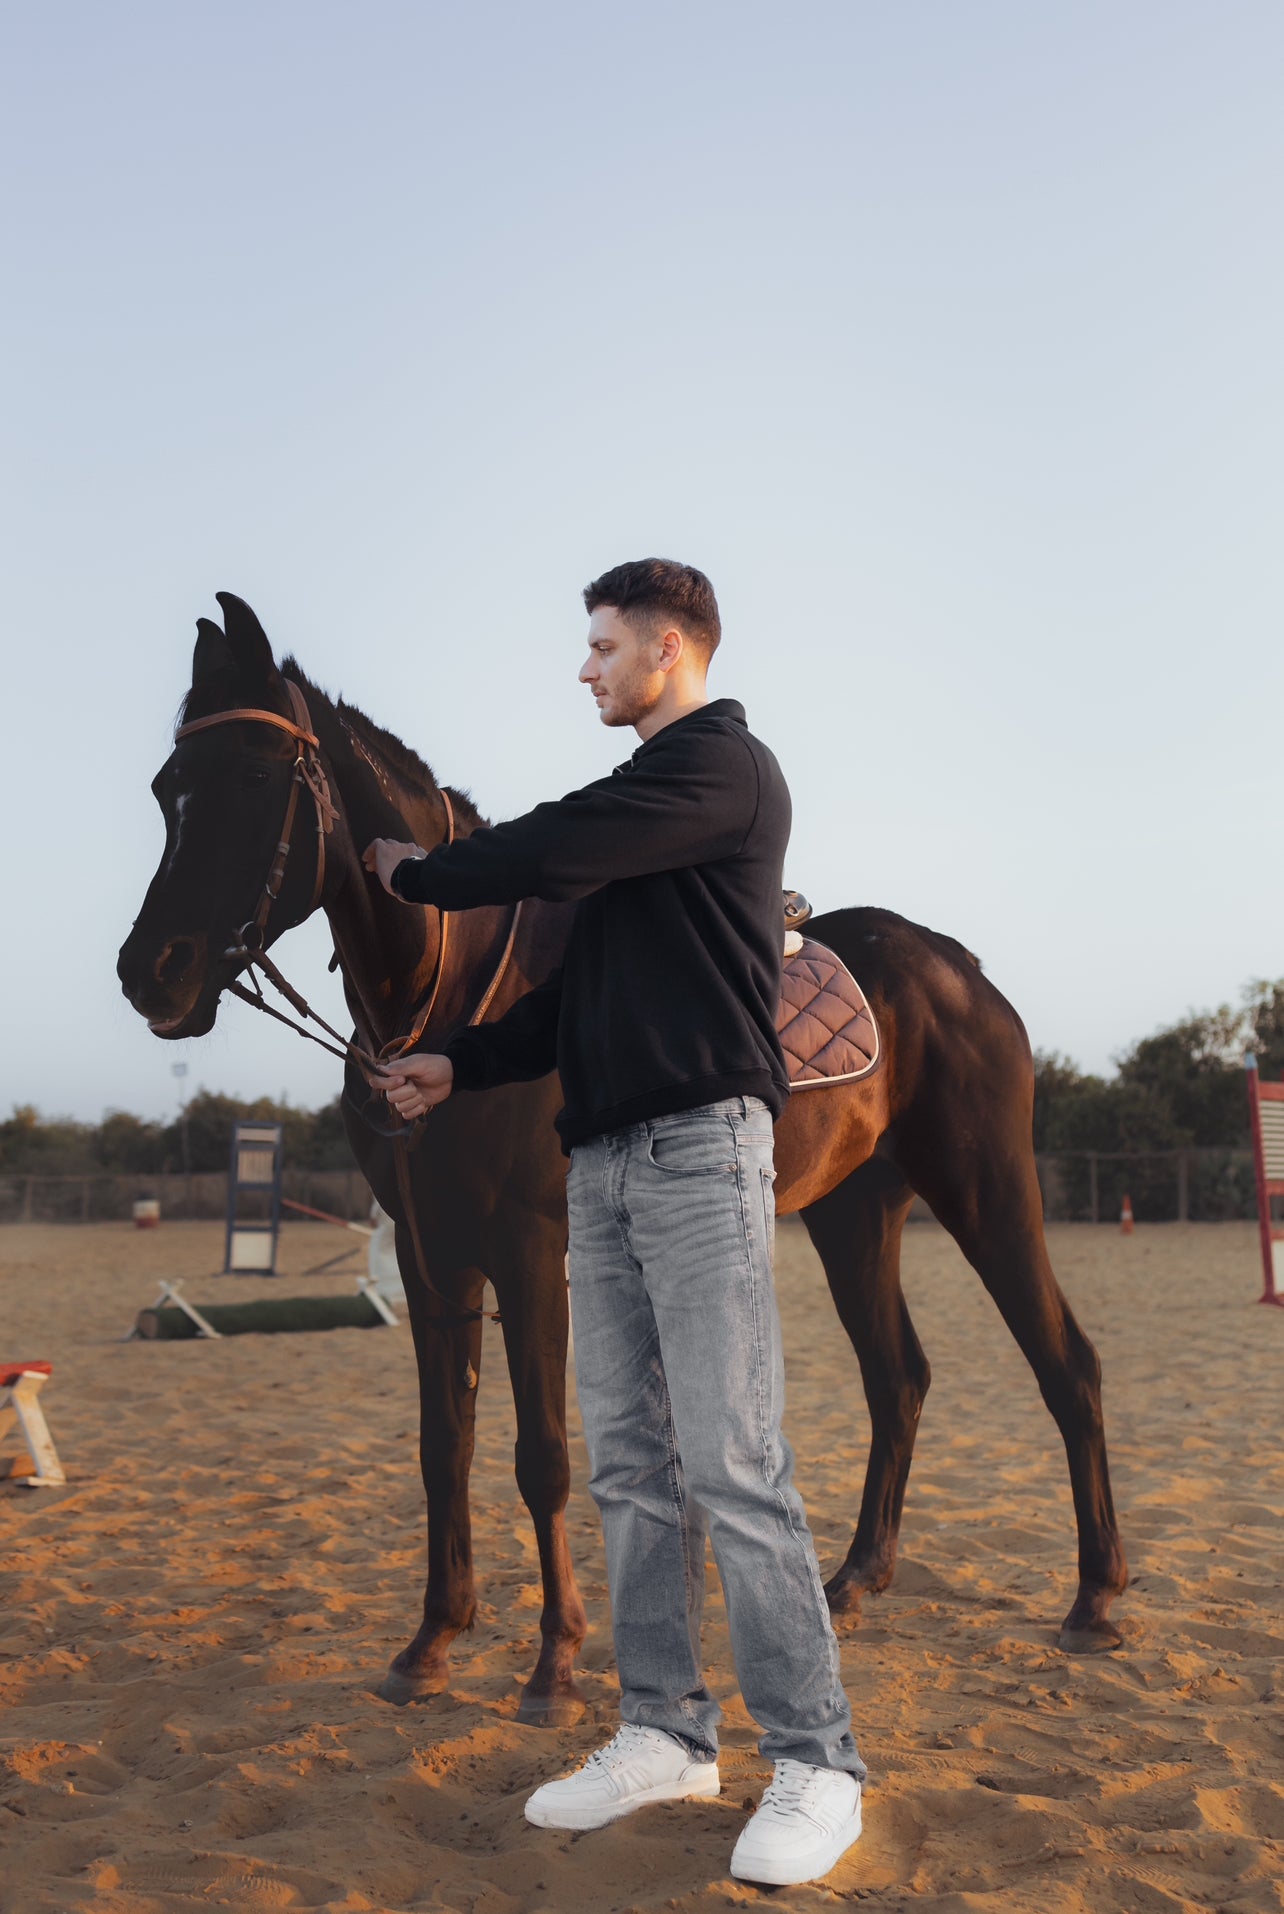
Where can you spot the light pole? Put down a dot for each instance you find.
(179, 1071)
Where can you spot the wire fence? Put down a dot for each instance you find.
(1079, 1186)
(1163, 1186)
(107, 1198)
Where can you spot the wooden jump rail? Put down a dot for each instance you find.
(324, 1216)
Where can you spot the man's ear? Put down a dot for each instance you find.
(673, 646)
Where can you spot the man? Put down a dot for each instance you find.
(661, 1021)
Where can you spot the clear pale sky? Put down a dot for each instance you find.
(945, 337)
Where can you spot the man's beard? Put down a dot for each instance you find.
(638, 696)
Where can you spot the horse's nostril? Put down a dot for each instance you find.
(174, 962)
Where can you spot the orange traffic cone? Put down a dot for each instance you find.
(1125, 1217)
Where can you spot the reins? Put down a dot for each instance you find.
(249, 949)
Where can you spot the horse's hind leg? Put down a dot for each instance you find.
(857, 1233)
(992, 1207)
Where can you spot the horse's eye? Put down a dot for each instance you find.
(255, 774)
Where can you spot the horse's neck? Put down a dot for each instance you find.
(388, 951)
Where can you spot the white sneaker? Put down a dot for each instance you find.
(806, 1821)
(637, 1766)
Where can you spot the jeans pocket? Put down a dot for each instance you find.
(769, 1209)
(692, 1146)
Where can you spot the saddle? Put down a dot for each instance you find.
(824, 1022)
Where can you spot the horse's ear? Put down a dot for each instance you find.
(247, 642)
(213, 656)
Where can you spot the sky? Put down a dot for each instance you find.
(945, 337)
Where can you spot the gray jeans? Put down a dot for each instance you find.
(681, 1386)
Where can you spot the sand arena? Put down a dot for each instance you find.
(190, 1632)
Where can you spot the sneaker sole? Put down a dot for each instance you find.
(579, 1818)
(794, 1870)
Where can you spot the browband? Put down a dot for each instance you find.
(260, 717)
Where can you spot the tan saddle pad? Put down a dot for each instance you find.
(825, 1025)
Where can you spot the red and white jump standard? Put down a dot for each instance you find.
(1266, 1104)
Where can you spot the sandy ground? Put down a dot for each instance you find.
(190, 1632)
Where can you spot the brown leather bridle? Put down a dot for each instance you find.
(309, 770)
(249, 951)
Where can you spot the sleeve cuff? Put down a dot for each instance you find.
(400, 873)
(469, 1068)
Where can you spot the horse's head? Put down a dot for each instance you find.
(224, 792)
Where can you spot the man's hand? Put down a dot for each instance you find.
(415, 1085)
(382, 856)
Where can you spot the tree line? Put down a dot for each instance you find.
(1181, 1088)
(122, 1144)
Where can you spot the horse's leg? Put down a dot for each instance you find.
(448, 1355)
(988, 1198)
(530, 1281)
(857, 1233)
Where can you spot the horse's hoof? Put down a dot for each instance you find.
(1097, 1638)
(844, 1600)
(401, 1689)
(561, 1710)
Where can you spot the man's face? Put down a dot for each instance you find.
(623, 667)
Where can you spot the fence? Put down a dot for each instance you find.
(1079, 1186)
(1183, 1186)
(103, 1198)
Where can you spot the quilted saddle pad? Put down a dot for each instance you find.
(825, 1025)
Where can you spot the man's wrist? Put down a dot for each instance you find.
(467, 1072)
(394, 880)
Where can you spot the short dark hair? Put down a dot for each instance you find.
(647, 590)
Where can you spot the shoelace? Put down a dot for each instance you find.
(791, 1789)
(625, 1741)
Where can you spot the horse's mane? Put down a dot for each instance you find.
(405, 765)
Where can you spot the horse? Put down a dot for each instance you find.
(946, 1115)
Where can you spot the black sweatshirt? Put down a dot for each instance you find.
(667, 995)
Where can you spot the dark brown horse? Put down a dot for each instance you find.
(947, 1115)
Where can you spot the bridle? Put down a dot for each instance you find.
(309, 770)
(249, 950)
(249, 940)
(248, 947)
